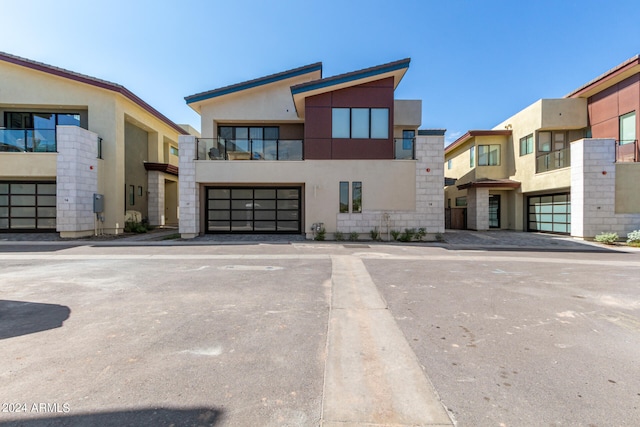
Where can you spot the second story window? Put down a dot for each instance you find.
(360, 123)
(489, 155)
(526, 145)
(628, 128)
(472, 156)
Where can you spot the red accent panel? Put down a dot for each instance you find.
(629, 95)
(317, 149)
(604, 105)
(317, 123)
(606, 129)
(361, 149)
(322, 100)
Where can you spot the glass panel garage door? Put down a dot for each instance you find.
(27, 206)
(550, 213)
(253, 210)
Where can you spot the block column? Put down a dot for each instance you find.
(478, 209)
(189, 205)
(155, 185)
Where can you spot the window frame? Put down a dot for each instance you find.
(488, 154)
(621, 130)
(528, 145)
(356, 197)
(343, 196)
(339, 118)
(472, 156)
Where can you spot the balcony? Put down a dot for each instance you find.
(404, 148)
(554, 160)
(627, 151)
(28, 140)
(249, 149)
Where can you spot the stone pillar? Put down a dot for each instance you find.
(478, 209)
(430, 183)
(155, 185)
(593, 187)
(189, 206)
(76, 181)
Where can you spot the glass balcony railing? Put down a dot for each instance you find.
(404, 148)
(28, 140)
(627, 151)
(249, 149)
(554, 160)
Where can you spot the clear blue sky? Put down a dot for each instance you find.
(473, 63)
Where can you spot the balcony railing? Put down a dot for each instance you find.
(553, 160)
(627, 151)
(404, 148)
(28, 140)
(249, 149)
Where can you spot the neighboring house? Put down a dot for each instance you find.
(68, 141)
(293, 152)
(567, 166)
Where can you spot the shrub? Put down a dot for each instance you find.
(408, 234)
(320, 234)
(607, 238)
(633, 237)
(353, 236)
(339, 236)
(395, 234)
(135, 227)
(375, 234)
(421, 233)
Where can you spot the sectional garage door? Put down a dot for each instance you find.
(27, 206)
(254, 209)
(550, 213)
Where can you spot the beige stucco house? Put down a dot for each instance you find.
(294, 152)
(560, 165)
(80, 155)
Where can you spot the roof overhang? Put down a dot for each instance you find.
(103, 84)
(302, 91)
(194, 100)
(161, 167)
(501, 184)
(472, 134)
(608, 79)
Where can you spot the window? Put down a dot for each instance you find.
(461, 201)
(544, 142)
(99, 147)
(40, 120)
(628, 128)
(472, 156)
(526, 145)
(449, 163)
(360, 123)
(173, 150)
(489, 155)
(344, 197)
(140, 190)
(356, 197)
(132, 195)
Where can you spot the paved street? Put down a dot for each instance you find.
(516, 333)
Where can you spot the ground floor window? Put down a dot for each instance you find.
(27, 206)
(254, 209)
(550, 213)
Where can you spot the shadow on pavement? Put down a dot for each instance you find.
(22, 318)
(161, 417)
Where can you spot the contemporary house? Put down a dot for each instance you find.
(80, 155)
(567, 165)
(296, 152)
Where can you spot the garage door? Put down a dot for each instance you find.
(253, 210)
(550, 213)
(27, 206)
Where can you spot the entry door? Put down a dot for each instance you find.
(494, 211)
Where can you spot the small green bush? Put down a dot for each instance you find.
(395, 234)
(339, 236)
(408, 234)
(375, 234)
(421, 233)
(353, 236)
(633, 237)
(320, 234)
(135, 227)
(607, 238)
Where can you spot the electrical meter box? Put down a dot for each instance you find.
(98, 203)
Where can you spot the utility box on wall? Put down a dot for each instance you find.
(98, 203)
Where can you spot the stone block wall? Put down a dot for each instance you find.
(593, 191)
(76, 181)
(189, 205)
(155, 185)
(478, 209)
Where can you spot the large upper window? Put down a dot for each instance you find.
(361, 123)
(628, 128)
(40, 120)
(489, 155)
(551, 141)
(472, 156)
(526, 145)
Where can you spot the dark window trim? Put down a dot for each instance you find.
(9, 194)
(488, 156)
(370, 122)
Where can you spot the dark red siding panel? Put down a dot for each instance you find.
(322, 100)
(388, 82)
(361, 149)
(606, 129)
(317, 122)
(629, 95)
(606, 107)
(317, 149)
(363, 97)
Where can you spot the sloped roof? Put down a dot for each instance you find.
(93, 81)
(473, 133)
(608, 79)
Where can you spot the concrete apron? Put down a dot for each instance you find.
(372, 377)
